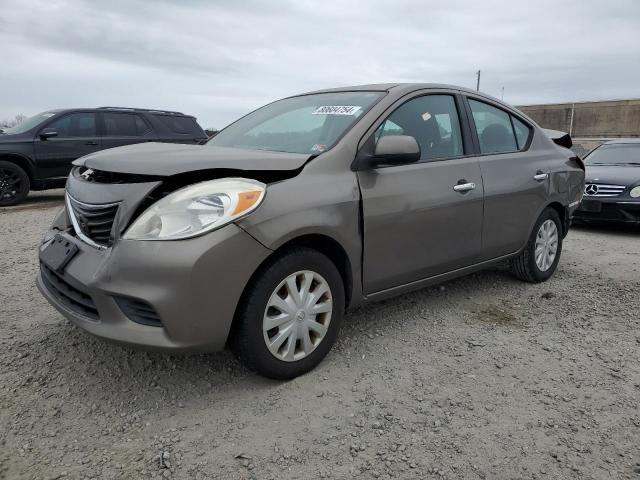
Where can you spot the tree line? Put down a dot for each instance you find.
(12, 122)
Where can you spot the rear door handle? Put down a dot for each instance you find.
(464, 187)
(540, 176)
(91, 142)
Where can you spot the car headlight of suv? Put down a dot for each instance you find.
(635, 192)
(197, 209)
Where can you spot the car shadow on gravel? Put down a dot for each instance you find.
(37, 200)
(96, 368)
(100, 369)
(620, 229)
(466, 295)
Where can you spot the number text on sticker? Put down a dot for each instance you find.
(337, 110)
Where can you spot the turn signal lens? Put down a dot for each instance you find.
(246, 200)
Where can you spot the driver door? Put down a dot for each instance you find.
(77, 136)
(415, 224)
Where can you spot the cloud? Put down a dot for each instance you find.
(218, 60)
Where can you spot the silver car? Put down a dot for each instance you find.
(263, 237)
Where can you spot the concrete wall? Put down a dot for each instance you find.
(612, 119)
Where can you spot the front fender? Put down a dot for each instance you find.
(312, 204)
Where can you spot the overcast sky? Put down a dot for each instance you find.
(220, 59)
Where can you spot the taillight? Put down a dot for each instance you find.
(579, 161)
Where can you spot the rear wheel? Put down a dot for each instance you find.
(539, 259)
(290, 315)
(14, 184)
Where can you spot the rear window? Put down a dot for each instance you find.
(498, 131)
(181, 125)
(523, 132)
(125, 125)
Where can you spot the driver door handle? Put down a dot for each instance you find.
(464, 187)
(540, 176)
(91, 142)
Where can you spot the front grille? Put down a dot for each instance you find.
(93, 222)
(98, 176)
(599, 190)
(139, 311)
(71, 296)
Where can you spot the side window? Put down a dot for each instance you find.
(141, 126)
(182, 125)
(522, 132)
(493, 127)
(388, 128)
(124, 125)
(75, 125)
(432, 120)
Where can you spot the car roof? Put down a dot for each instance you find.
(373, 87)
(402, 88)
(150, 111)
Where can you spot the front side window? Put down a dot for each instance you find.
(309, 124)
(432, 120)
(75, 125)
(493, 127)
(124, 125)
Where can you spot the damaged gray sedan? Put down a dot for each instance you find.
(261, 238)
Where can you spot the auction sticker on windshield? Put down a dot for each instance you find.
(337, 110)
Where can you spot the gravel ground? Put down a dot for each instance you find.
(482, 377)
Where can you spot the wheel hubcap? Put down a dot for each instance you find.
(297, 316)
(9, 184)
(546, 245)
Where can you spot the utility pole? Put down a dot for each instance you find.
(478, 83)
(502, 96)
(573, 109)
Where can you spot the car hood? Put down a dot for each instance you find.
(8, 138)
(613, 174)
(166, 159)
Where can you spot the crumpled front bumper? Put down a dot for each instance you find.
(193, 285)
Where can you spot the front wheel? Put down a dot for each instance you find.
(14, 184)
(539, 259)
(290, 314)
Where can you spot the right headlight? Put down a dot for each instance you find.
(197, 209)
(635, 192)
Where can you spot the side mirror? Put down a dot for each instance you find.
(48, 133)
(395, 150)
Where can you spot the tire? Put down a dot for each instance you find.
(14, 184)
(525, 266)
(248, 337)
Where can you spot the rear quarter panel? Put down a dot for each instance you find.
(566, 180)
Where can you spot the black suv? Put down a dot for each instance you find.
(37, 154)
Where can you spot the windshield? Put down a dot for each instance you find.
(29, 123)
(309, 124)
(615, 154)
